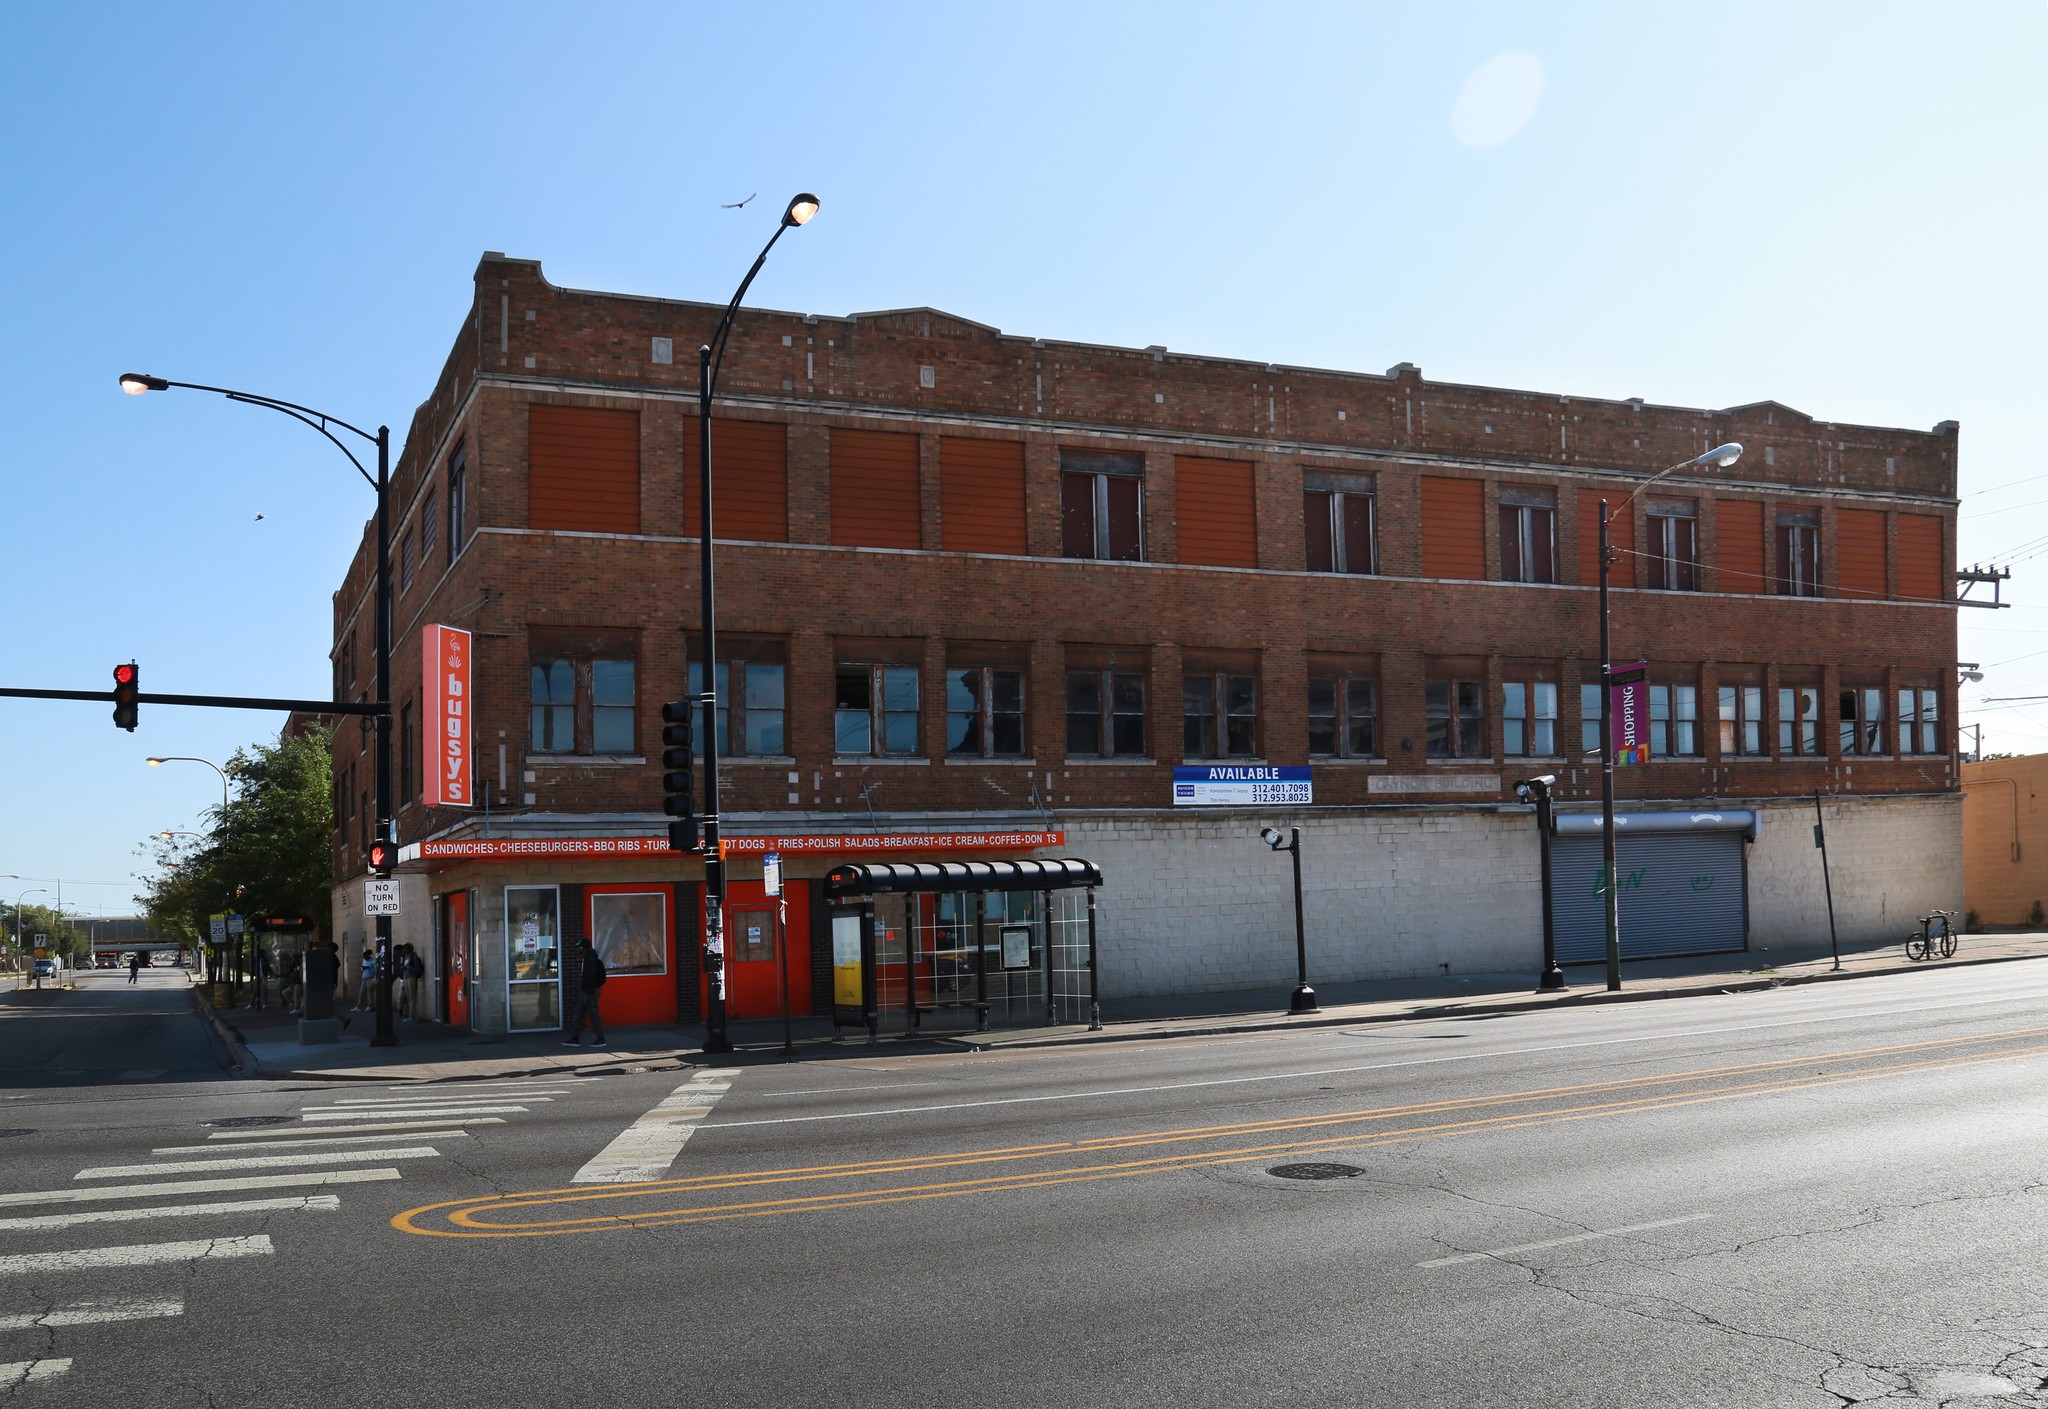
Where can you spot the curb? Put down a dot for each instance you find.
(677, 1059)
(1747, 983)
(228, 1045)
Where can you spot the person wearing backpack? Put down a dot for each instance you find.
(592, 979)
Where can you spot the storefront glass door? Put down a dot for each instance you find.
(533, 971)
(455, 956)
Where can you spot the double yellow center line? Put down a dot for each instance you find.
(547, 1212)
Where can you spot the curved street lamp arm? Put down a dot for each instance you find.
(319, 423)
(321, 418)
(723, 334)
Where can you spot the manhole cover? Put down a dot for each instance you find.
(1315, 1171)
(242, 1122)
(22, 1130)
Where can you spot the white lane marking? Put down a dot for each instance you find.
(208, 1166)
(326, 1142)
(1663, 1037)
(341, 1134)
(96, 1192)
(1560, 1242)
(135, 1255)
(645, 1149)
(19, 1372)
(839, 1090)
(42, 1222)
(354, 1101)
(327, 1115)
(92, 1313)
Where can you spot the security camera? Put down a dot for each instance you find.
(1270, 836)
(1528, 788)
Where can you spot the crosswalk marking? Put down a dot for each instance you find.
(351, 1132)
(647, 1147)
(43, 1222)
(204, 1166)
(328, 1113)
(18, 1372)
(350, 1136)
(135, 1255)
(91, 1313)
(94, 1192)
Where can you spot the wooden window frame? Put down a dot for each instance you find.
(1345, 714)
(1528, 544)
(1528, 716)
(582, 702)
(877, 709)
(1739, 712)
(458, 500)
(983, 713)
(1105, 713)
(1222, 721)
(1860, 722)
(1674, 546)
(1799, 736)
(736, 710)
(1680, 700)
(1462, 714)
(1327, 501)
(1919, 709)
(1099, 469)
(1796, 538)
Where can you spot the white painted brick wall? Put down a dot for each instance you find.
(1197, 903)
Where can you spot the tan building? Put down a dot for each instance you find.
(2005, 839)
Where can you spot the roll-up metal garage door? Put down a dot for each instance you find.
(1682, 891)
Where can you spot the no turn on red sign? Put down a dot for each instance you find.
(380, 897)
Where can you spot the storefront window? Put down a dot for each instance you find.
(629, 932)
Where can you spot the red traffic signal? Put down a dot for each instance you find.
(127, 690)
(380, 859)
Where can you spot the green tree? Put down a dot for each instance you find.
(268, 850)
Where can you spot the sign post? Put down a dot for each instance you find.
(771, 883)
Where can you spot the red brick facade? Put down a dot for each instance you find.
(941, 379)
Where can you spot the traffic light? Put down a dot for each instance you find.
(380, 858)
(127, 687)
(677, 800)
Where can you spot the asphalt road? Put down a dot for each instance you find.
(1813, 1196)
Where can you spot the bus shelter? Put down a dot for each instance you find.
(1009, 941)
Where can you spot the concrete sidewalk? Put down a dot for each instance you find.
(263, 1042)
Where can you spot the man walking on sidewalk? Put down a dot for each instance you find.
(592, 969)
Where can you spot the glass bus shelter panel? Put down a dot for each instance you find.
(893, 914)
(1072, 980)
(1013, 951)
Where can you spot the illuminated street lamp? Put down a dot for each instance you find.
(1720, 457)
(135, 384)
(710, 358)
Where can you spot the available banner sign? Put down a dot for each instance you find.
(1248, 785)
(1629, 704)
(445, 716)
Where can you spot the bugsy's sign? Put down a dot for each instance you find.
(445, 712)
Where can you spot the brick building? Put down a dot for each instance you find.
(990, 590)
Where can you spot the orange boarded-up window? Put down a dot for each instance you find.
(749, 480)
(1621, 536)
(1453, 527)
(1920, 558)
(583, 469)
(981, 495)
(874, 489)
(1739, 548)
(1217, 512)
(1859, 553)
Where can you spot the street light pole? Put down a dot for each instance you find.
(1721, 456)
(710, 359)
(1303, 999)
(137, 383)
(1537, 790)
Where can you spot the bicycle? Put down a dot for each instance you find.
(1936, 937)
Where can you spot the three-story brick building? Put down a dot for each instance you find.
(983, 593)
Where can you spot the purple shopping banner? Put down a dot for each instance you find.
(1629, 706)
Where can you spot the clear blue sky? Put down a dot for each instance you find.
(1837, 206)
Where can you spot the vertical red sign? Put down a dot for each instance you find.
(445, 712)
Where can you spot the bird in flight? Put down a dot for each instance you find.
(259, 518)
(735, 205)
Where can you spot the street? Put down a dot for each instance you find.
(1809, 1196)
